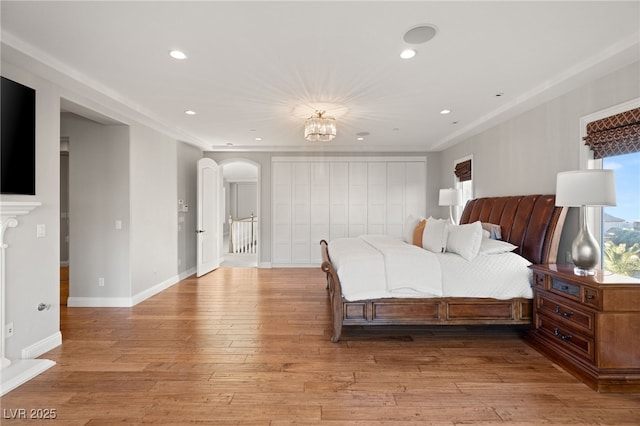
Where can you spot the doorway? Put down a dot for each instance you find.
(64, 220)
(241, 230)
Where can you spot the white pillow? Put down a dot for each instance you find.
(465, 239)
(491, 246)
(410, 224)
(434, 237)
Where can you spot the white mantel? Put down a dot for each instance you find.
(14, 373)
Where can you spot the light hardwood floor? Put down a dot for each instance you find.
(230, 348)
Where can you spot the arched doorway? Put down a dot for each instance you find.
(241, 231)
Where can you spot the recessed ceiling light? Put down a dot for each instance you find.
(258, 139)
(360, 138)
(408, 54)
(177, 54)
(445, 111)
(190, 112)
(420, 34)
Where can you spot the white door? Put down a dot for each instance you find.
(208, 216)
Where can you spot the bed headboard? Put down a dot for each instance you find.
(531, 222)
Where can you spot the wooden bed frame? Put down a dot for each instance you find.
(531, 222)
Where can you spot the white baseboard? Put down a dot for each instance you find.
(186, 274)
(296, 265)
(152, 291)
(99, 302)
(127, 302)
(264, 265)
(43, 346)
(21, 371)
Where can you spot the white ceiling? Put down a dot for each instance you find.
(259, 69)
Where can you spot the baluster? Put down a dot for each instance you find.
(230, 234)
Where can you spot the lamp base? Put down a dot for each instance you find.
(583, 272)
(585, 251)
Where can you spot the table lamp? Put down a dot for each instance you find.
(450, 197)
(582, 188)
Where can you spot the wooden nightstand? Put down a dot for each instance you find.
(588, 325)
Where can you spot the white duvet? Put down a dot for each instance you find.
(379, 266)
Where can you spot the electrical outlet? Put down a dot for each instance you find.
(9, 330)
(101, 282)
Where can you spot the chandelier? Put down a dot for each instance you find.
(320, 128)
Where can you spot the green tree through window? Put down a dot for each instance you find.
(621, 223)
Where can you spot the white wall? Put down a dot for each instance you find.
(188, 156)
(98, 197)
(154, 210)
(32, 264)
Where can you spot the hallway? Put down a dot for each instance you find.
(237, 260)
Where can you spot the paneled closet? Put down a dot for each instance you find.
(333, 197)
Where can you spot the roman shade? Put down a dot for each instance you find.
(463, 170)
(615, 135)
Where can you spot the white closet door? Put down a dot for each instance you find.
(416, 188)
(320, 208)
(396, 182)
(282, 220)
(338, 199)
(376, 198)
(301, 213)
(357, 198)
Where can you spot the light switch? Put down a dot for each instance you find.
(41, 230)
(118, 224)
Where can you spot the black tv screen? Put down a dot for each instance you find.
(18, 143)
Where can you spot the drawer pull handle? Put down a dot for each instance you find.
(590, 296)
(562, 336)
(564, 314)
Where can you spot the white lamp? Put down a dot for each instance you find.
(582, 188)
(450, 197)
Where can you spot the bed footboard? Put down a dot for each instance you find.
(335, 292)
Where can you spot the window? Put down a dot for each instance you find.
(612, 140)
(621, 223)
(463, 181)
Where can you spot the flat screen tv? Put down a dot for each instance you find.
(18, 140)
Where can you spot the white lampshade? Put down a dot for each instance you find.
(594, 187)
(450, 197)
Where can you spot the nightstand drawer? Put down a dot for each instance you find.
(565, 289)
(591, 297)
(566, 312)
(566, 337)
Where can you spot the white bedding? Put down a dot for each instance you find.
(378, 266)
(409, 270)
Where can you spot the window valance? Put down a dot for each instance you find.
(463, 170)
(615, 135)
